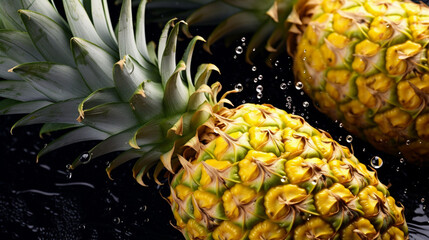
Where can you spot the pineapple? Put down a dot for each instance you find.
(363, 62)
(250, 172)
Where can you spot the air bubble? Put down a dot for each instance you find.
(259, 95)
(117, 220)
(276, 63)
(283, 179)
(299, 85)
(305, 104)
(283, 86)
(349, 138)
(243, 39)
(289, 99)
(340, 125)
(254, 68)
(69, 175)
(239, 50)
(422, 200)
(401, 160)
(238, 87)
(235, 57)
(408, 142)
(259, 88)
(260, 77)
(376, 162)
(255, 80)
(69, 167)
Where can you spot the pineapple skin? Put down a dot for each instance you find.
(261, 173)
(364, 63)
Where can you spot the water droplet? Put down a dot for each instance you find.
(238, 87)
(289, 99)
(314, 181)
(340, 139)
(143, 208)
(408, 142)
(376, 162)
(283, 86)
(260, 77)
(397, 169)
(69, 175)
(85, 157)
(146, 220)
(401, 160)
(259, 88)
(283, 179)
(299, 85)
(239, 50)
(117, 220)
(235, 57)
(259, 95)
(304, 59)
(68, 166)
(254, 68)
(422, 200)
(243, 39)
(340, 125)
(363, 150)
(276, 63)
(254, 49)
(305, 104)
(349, 139)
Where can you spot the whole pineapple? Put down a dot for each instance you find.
(363, 62)
(251, 172)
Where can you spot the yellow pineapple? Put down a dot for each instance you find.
(250, 172)
(363, 62)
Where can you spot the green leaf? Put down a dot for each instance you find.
(52, 127)
(149, 134)
(18, 47)
(46, 8)
(162, 44)
(62, 112)
(17, 107)
(114, 143)
(102, 23)
(256, 5)
(126, 39)
(147, 101)
(5, 65)
(187, 58)
(20, 90)
(81, 25)
(140, 30)
(176, 93)
(9, 15)
(143, 165)
(99, 97)
(168, 61)
(111, 118)
(81, 134)
(206, 15)
(57, 82)
(129, 75)
(52, 41)
(93, 63)
(203, 74)
(123, 158)
(237, 24)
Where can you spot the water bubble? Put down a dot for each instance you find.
(299, 85)
(401, 160)
(376, 162)
(340, 139)
(85, 158)
(340, 125)
(276, 63)
(117, 220)
(259, 88)
(364, 149)
(283, 179)
(254, 68)
(254, 49)
(243, 39)
(69, 175)
(408, 142)
(289, 99)
(397, 169)
(283, 86)
(146, 220)
(349, 139)
(305, 104)
(238, 87)
(259, 95)
(143, 208)
(260, 77)
(69, 167)
(422, 200)
(239, 50)
(235, 57)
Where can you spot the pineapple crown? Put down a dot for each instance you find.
(268, 20)
(58, 69)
